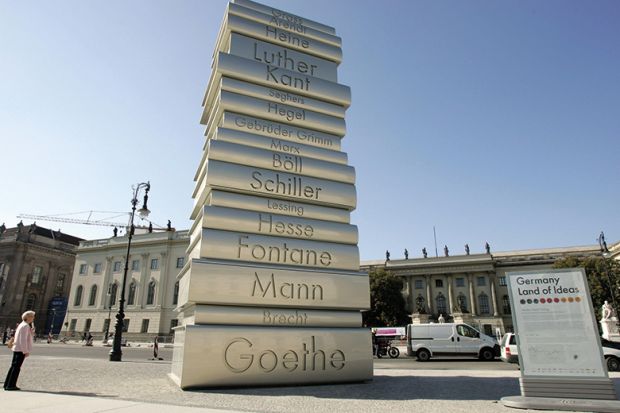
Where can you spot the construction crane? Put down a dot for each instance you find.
(88, 221)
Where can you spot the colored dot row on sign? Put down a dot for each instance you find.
(551, 300)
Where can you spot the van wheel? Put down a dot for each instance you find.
(423, 355)
(613, 363)
(394, 352)
(487, 354)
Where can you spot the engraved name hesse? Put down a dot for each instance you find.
(282, 254)
(266, 223)
(240, 355)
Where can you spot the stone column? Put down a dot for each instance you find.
(106, 280)
(429, 301)
(450, 299)
(163, 279)
(472, 295)
(493, 295)
(143, 286)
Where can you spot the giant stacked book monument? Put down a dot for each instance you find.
(272, 293)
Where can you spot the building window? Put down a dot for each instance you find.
(173, 324)
(83, 268)
(97, 269)
(125, 325)
(502, 281)
(483, 303)
(31, 302)
(439, 283)
(113, 290)
(180, 262)
(93, 295)
(441, 304)
(87, 324)
(106, 325)
(135, 265)
(132, 293)
(60, 282)
(150, 296)
(36, 275)
(145, 325)
(419, 284)
(175, 295)
(481, 281)
(73, 324)
(460, 282)
(461, 303)
(506, 304)
(117, 266)
(78, 296)
(155, 264)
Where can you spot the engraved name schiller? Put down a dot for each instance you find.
(241, 355)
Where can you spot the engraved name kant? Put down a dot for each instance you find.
(291, 186)
(267, 224)
(283, 59)
(241, 355)
(274, 75)
(282, 254)
(281, 289)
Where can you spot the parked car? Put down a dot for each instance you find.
(611, 351)
(508, 348)
(449, 339)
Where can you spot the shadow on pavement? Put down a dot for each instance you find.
(73, 393)
(395, 388)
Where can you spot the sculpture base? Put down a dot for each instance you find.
(240, 356)
(571, 405)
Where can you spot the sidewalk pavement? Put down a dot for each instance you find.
(67, 385)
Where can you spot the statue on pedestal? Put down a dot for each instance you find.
(440, 319)
(424, 252)
(387, 255)
(487, 247)
(406, 254)
(607, 311)
(466, 249)
(446, 251)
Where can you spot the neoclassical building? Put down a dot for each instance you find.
(151, 290)
(470, 288)
(35, 271)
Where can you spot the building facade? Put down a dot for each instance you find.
(36, 264)
(469, 288)
(151, 290)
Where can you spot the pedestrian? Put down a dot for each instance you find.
(5, 336)
(22, 346)
(84, 336)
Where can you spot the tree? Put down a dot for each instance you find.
(603, 276)
(387, 305)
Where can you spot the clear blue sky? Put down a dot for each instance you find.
(495, 121)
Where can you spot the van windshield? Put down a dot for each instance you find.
(466, 331)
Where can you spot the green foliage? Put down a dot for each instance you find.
(387, 305)
(603, 277)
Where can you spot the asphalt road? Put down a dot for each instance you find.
(59, 350)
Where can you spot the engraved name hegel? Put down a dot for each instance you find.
(288, 114)
(292, 291)
(282, 254)
(240, 356)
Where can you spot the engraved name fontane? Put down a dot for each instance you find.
(282, 254)
(272, 288)
(240, 355)
(291, 186)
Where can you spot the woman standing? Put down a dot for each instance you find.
(22, 347)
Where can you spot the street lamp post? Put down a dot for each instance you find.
(107, 328)
(116, 353)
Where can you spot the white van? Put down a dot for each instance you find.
(449, 339)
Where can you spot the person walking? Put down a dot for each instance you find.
(22, 346)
